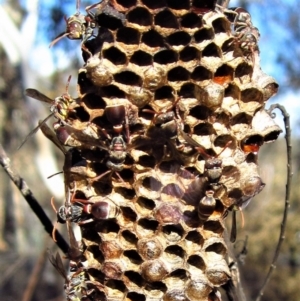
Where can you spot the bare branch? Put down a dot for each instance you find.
(31, 200)
(286, 118)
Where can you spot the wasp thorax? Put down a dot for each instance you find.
(213, 168)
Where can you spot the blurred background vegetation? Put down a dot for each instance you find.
(26, 28)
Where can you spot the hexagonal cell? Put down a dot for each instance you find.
(198, 288)
(251, 95)
(189, 53)
(114, 289)
(177, 279)
(173, 233)
(221, 25)
(178, 74)
(191, 21)
(215, 245)
(174, 255)
(223, 75)
(154, 4)
(139, 96)
(201, 73)
(128, 78)
(111, 19)
(168, 214)
(243, 69)
(204, 129)
(112, 269)
(197, 261)
(146, 227)
(155, 77)
(265, 125)
(154, 270)
(214, 226)
(111, 249)
(152, 39)
(252, 143)
(133, 296)
(115, 55)
(201, 112)
(150, 249)
(140, 16)
(128, 36)
(203, 6)
(178, 5)
(165, 56)
(175, 295)
(218, 272)
(166, 19)
(179, 38)
(141, 58)
(195, 238)
(134, 279)
(211, 50)
(203, 34)
(155, 290)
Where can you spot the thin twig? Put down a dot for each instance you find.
(286, 118)
(31, 200)
(35, 276)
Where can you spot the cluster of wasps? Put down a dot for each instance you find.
(166, 128)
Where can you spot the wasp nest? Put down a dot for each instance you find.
(164, 139)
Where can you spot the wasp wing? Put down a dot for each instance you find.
(32, 132)
(33, 93)
(56, 261)
(46, 130)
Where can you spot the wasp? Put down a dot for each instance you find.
(78, 27)
(213, 173)
(250, 189)
(117, 150)
(79, 209)
(246, 35)
(213, 164)
(60, 107)
(75, 286)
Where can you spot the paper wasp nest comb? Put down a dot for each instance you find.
(164, 141)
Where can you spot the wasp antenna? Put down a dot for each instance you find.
(68, 83)
(74, 191)
(53, 205)
(226, 145)
(55, 174)
(59, 37)
(53, 232)
(242, 217)
(202, 150)
(77, 6)
(119, 176)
